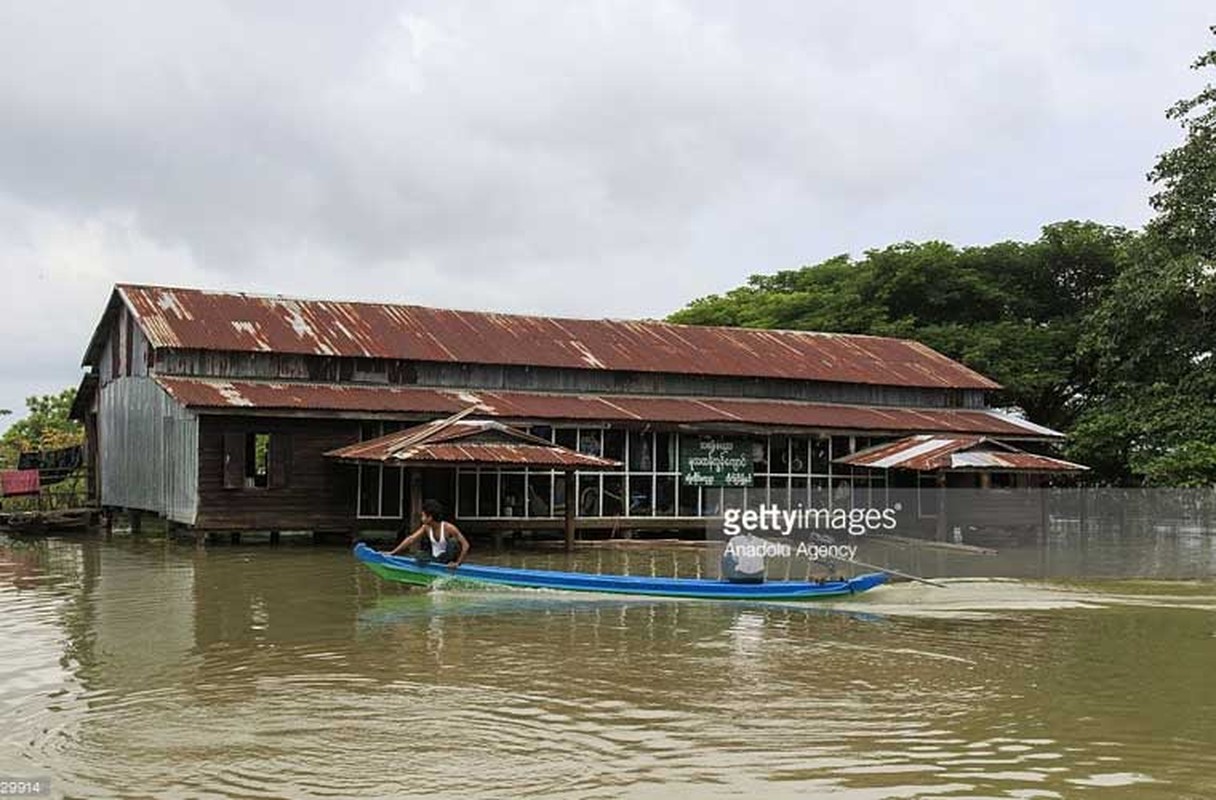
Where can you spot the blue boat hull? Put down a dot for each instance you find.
(407, 570)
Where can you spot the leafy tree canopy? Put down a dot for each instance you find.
(1185, 176)
(1014, 311)
(44, 427)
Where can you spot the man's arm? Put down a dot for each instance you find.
(407, 541)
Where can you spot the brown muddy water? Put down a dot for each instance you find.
(152, 669)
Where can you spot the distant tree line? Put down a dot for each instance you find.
(45, 426)
(1102, 332)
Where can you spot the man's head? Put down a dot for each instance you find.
(432, 511)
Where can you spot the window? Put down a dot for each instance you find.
(788, 470)
(370, 370)
(257, 460)
(381, 490)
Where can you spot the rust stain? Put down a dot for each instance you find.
(513, 405)
(469, 442)
(933, 452)
(204, 320)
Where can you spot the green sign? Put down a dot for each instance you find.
(715, 461)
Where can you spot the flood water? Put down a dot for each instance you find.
(151, 669)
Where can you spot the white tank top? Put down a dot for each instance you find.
(438, 546)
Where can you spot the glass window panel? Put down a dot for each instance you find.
(369, 430)
(512, 494)
(779, 454)
(798, 492)
(588, 495)
(641, 499)
(759, 448)
(466, 489)
(540, 501)
(390, 502)
(757, 493)
(614, 495)
(732, 497)
(779, 491)
(690, 501)
(819, 455)
(567, 437)
(559, 494)
(590, 441)
(711, 501)
(641, 451)
(614, 445)
(842, 494)
(487, 493)
(821, 493)
(840, 448)
(542, 431)
(799, 462)
(665, 496)
(664, 452)
(369, 491)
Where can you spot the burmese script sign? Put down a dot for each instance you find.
(715, 461)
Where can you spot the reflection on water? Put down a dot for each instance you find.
(147, 669)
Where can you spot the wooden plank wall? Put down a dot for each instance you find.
(319, 495)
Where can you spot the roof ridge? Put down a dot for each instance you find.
(513, 314)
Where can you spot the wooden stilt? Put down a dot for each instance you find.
(571, 501)
(942, 522)
(234, 537)
(274, 537)
(137, 522)
(415, 480)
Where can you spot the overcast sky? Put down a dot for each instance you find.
(589, 159)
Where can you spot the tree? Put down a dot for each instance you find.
(44, 427)
(1186, 175)
(1013, 310)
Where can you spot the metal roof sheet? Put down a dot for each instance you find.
(930, 453)
(229, 321)
(468, 442)
(720, 411)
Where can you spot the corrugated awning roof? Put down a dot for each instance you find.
(724, 412)
(228, 321)
(933, 453)
(468, 442)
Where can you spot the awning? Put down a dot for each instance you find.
(725, 412)
(930, 453)
(467, 442)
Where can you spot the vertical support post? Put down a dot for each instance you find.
(571, 501)
(942, 523)
(137, 521)
(274, 537)
(234, 537)
(1044, 513)
(415, 480)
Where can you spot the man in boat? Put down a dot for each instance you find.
(743, 558)
(442, 541)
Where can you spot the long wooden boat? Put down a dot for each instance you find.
(407, 570)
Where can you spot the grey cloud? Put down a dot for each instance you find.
(602, 159)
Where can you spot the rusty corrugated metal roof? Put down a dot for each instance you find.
(931, 453)
(228, 321)
(327, 398)
(485, 442)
